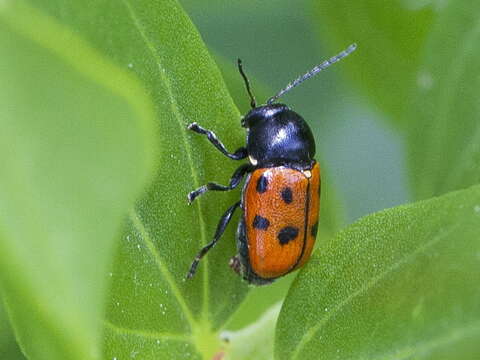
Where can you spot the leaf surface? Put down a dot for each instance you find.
(398, 284)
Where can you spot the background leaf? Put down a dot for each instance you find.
(390, 37)
(398, 284)
(444, 131)
(76, 147)
(151, 309)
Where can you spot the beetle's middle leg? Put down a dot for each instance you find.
(234, 182)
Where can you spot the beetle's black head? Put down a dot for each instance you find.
(278, 136)
(262, 112)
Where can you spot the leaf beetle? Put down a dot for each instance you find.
(280, 199)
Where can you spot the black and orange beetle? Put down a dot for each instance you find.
(281, 196)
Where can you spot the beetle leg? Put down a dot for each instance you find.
(234, 181)
(222, 225)
(239, 154)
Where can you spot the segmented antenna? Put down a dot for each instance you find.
(313, 72)
(253, 102)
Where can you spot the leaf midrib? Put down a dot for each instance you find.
(138, 224)
(177, 115)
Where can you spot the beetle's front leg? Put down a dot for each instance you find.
(239, 154)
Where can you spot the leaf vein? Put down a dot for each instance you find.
(178, 116)
(137, 223)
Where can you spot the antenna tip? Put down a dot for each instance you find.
(239, 61)
(352, 47)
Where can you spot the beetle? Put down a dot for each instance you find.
(280, 199)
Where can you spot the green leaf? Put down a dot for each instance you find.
(398, 284)
(152, 310)
(445, 122)
(76, 148)
(390, 37)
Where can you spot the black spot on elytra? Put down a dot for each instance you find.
(315, 230)
(262, 184)
(287, 234)
(260, 223)
(287, 195)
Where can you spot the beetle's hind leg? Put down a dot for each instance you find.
(234, 182)
(239, 154)
(222, 225)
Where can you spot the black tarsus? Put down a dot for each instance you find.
(234, 182)
(253, 102)
(222, 225)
